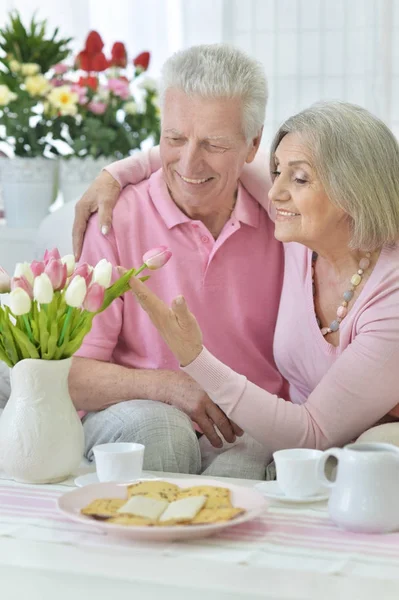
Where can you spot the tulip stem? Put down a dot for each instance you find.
(28, 327)
(144, 266)
(65, 326)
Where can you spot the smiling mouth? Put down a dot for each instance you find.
(194, 181)
(287, 213)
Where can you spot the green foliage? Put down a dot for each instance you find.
(32, 44)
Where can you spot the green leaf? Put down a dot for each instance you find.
(44, 334)
(28, 349)
(52, 341)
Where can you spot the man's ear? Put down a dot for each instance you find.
(254, 147)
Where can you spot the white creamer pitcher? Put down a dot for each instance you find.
(365, 493)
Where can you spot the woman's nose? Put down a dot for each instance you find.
(278, 191)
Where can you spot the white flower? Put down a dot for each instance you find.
(102, 273)
(6, 95)
(76, 292)
(148, 83)
(29, 69)
(15, 66)
(19, 302)
(42, 289)
(36, 85)
(130, 108)
(24, 270)
(69, 261)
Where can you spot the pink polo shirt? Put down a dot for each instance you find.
(231, 284)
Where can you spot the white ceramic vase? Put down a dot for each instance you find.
(41, 435)
(76, 174)
(27, 189)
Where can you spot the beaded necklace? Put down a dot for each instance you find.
(342, 310)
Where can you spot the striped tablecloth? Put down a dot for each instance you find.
(300, 536)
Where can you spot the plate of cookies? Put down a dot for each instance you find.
(163, 509)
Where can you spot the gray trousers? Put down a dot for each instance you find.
(171, 444)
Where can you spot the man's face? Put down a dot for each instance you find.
(203, 150)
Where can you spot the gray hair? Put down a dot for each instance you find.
(356, 158)
(220, 70)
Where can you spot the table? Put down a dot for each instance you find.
(293, 553)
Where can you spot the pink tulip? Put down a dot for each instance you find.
(98, 108)
(37, 268)
(94, 298)
(57, 273)
(157, 257)
(51, 254)
(85, 271)
(81, 91)
(5, 281)
(23, 283)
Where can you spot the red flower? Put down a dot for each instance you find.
(90, 82)
(99, 62)
(118, 55)
(94, 43)
(142, 61)
(83, 61)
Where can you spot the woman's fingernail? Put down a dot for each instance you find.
(179, 300)
(105, 229)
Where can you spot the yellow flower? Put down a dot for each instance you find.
(6, 95)
(14, 65)
(36, 85)
(64, 100)
(29, 69)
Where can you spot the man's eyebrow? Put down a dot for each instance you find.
(174, 131)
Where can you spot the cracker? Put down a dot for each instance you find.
(103, 507)
(207, 516)
(159, 490)
(183, 510)
(216, 497)
(131, 520)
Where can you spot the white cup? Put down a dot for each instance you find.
(296, 470)
(119, 461)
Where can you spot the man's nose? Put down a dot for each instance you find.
(190, 159)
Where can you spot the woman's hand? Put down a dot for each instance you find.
(177, 325)
(101, 196)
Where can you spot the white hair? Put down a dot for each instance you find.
(356, 158)
(220, 71)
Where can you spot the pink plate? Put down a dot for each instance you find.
(72, 502)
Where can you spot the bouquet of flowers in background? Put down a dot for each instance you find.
(52, 303)
(26, 57)
(103, 112)
(98, 106)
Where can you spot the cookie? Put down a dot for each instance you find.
(206, 516)
(159, 490)
(216, 497)
(132, 521)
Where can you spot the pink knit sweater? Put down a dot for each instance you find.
(336, 392)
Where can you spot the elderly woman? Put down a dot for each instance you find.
(335, 197)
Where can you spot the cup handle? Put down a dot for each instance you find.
(321, 473)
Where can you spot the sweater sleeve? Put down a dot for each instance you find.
(359, 389)
(135, 168)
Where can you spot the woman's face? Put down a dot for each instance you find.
(304, 212)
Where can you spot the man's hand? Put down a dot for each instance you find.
(191, 399)
(101, 196)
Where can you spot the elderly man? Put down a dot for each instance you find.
(225, 257)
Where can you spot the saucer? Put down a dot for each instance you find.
(271, 489)
(89, 478)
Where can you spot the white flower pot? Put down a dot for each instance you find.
(76, 175)
(41, 435)
(27, 189)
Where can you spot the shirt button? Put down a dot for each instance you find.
(205, 239)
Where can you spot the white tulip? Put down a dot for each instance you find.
(23, 269)
(19, 302)
(102, 273)
(42, 289)
(69, 261)
(76, 292)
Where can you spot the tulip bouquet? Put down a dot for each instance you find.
(52, 303)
